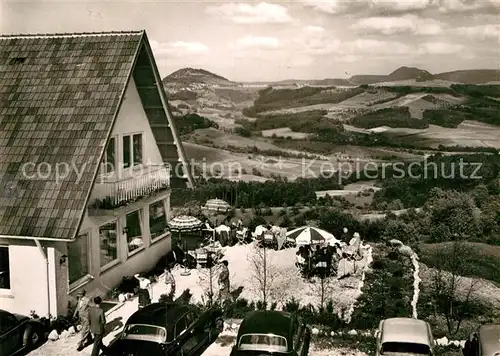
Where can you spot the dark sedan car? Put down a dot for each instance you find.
(272, 333)
(18, 332)
(171, 329)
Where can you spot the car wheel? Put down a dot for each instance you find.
(31, 338)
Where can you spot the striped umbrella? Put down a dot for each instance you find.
(217, 205)
(308, 235)
(185, 223)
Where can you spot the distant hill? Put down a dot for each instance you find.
(195, 76)
(404, 73)
(473, 76)
(367, 79)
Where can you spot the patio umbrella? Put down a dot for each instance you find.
(217, 205)
(185, 223)
(308, 235)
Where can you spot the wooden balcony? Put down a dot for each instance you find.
(112, 192)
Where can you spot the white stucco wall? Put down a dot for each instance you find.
(28, 280)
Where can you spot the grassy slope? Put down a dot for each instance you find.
(483, 260)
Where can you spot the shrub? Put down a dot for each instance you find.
(61, 323)
(291, 306)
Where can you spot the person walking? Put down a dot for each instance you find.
(224, 282)
(97, 321)
(82, 313)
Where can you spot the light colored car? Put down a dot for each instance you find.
(404, 336)
(484, 342)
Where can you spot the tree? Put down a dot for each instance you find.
(452, 295)
(268, 282)
(207, 280)
(399, 230)
(322, 287)
(454, 209)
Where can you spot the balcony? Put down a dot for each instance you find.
(111, 192)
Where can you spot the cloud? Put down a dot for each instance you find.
(257, 42)
(399, 25)
(178, 48)
(491, 6)
(482, 32)
(439, 48)
(261, 13)
(387, 6)
(314, 29)
(376, 47)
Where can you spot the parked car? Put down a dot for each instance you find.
(272, 333)
(171, 329)
(404, 336)
(18, 333)
(484, 342)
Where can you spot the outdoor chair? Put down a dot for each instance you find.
(201, 257)
(241, 235)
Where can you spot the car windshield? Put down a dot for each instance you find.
(263, 342)
(145, 333)
(405, 348)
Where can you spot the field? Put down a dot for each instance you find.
(285, 132)
(468, 133)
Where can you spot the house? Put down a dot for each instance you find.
(89, 152)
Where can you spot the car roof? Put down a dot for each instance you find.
(405, 330)
(489, 337)
(159, 314)
(267, 322)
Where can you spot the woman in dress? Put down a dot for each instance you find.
(144, 291)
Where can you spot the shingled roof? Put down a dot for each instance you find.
(59, 97)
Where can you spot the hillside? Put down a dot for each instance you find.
(189, 76)
(474, 76)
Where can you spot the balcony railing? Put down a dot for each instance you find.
(112, 192)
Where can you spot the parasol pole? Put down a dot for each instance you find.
(186, 272)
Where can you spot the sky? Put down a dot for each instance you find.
(288, 39)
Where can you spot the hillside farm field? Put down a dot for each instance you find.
(285, 132)
(468, 133)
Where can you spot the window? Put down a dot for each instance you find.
(78, 258)
(108, 243)
(109, 156)
(134, 230)
(157, 219)
(263, 342)
(132, 150)
(180, 326)
(4, 268)
(190, 318)
(137, 149)
(405, 348)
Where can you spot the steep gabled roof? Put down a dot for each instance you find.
(59, 98)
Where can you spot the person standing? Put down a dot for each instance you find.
(169, 282)
(144, 292)
(97, 326)
(82, 313)
(224, 282)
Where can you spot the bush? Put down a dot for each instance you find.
(61, 323)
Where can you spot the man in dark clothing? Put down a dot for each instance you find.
(97, 323)
(82, 312)
(224, 282)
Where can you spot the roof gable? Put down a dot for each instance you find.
(59, 96)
